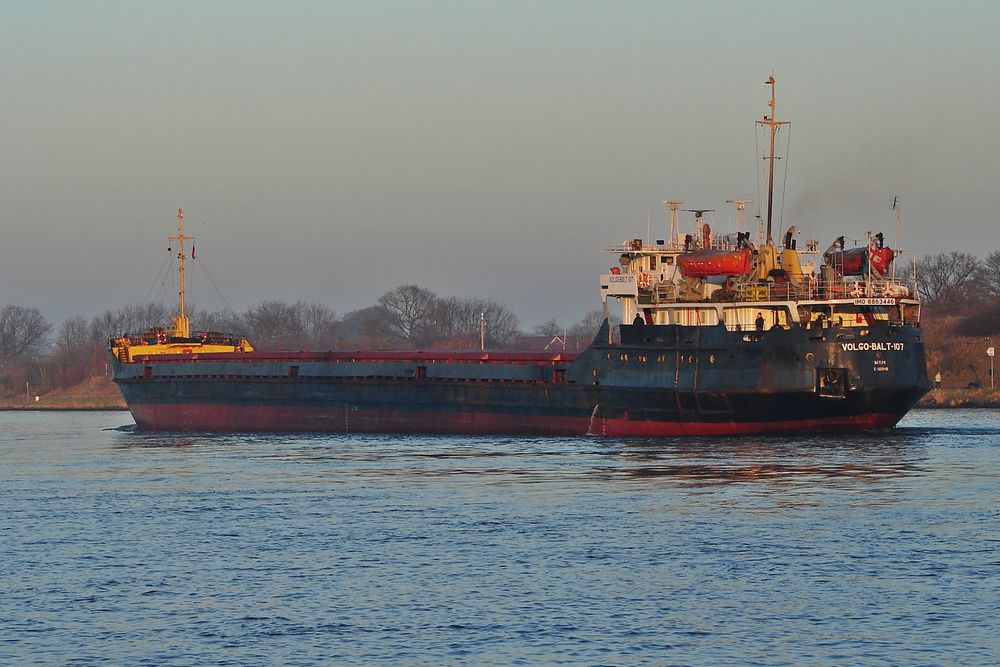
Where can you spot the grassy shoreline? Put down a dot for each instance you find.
(96, 393)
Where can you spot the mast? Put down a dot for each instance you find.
(182, 328)
(773, 124)
(895, 207)
(674, 205)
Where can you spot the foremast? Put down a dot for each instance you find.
(182, 326)
(129, 347)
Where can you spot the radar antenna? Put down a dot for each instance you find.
(699, 224)
(741, 212)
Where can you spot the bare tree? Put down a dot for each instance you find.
(459, 320)
(411, 310)
(221, 321)
(367, 327)
(550, 328)
(990, 273)
(132, 319)
(948, 279)
(76, 353)
(72, 334)
(320, 324)
(591, 323)
(276, 324)
(451, 320)
(23, 332)
(502, 326)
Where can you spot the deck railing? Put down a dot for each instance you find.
(804, 290)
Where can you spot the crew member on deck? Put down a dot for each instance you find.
(759, 321)
(638, 321)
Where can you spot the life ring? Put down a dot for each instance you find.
(858, 290)
(887, 290)
(832, 377)
(644, 280)
(161, 338)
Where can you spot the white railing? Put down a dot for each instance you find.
(805, 290)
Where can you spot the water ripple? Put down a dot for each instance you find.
(125, 547)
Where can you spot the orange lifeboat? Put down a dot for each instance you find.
(705, 263)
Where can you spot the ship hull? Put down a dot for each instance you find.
(242, 418)
(659, 381)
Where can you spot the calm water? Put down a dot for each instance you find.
(121, 547)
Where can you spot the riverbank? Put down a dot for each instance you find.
(961, 398)
(96, 393)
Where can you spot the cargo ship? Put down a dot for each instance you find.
(720, 334)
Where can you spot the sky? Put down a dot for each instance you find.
(330, 151)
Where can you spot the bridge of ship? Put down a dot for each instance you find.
(846, 301)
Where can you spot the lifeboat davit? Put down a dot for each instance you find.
(705, 263)
(853, 260)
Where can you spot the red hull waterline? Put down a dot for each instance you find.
(239, 418)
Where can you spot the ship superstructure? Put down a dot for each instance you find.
(721, 334)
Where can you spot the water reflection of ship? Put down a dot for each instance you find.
(777, 464)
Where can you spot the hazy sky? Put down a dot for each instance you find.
(329, 151)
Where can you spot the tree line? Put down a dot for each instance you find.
(45, 357)
(962, 285)
(957, 285)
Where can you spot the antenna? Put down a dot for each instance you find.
(182, 328)
(674, 205)
(897, 207)
(774, 125)
(741, 212)
(699, 223)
